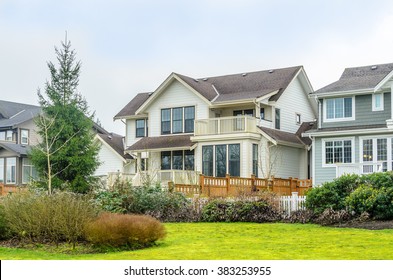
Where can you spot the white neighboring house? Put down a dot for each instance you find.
(240, 124)
(114, 162)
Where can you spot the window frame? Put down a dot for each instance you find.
(334, 164)
(13, 172)
(255, 149)
(140, 128)
(339, 119)
(277, 118)
(2, 170)
(374, 102)
(27, 137)
(185, 126)
(26, 163)
(298, 118)
(213, 168)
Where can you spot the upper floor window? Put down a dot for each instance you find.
(277, 119)
(24, 137)
(141, 128)
(7, 135)
(377, 102)
(339, 109)
(247, 112)
(298, 118)
(177, 120)
(262, 113)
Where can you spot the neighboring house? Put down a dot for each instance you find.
(355, 127)
(241, 124)
(17, 135)
(114, 162)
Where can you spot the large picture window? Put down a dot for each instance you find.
(177, 120)
(234, 159)
(219, 160)
(165, 160)
(339, 109)
(338, 151)
(29, 172)
(177, 160)
(207, 160)
(10, 170)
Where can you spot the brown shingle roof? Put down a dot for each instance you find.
(133, 105)
(244, 85)
(282, 136)
(162, 142)
(303, 128)
(356, 78)
(115, 142)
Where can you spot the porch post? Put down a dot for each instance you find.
(138, 162)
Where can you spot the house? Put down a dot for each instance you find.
(240, 124)
(17, 135)
(355, 128)
(114, 162)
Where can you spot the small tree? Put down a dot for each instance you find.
(67, 155)
(270, 158)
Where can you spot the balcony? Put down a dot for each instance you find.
(226, 125)
(361, 168)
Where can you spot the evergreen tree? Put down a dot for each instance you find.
(67, 155)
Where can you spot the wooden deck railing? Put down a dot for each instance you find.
(236, 186)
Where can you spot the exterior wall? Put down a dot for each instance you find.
(363, 111)
(294, 100)
(110, 162)
(130, 133)
(175, 95)
(34, 138)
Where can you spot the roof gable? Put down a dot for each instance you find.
(13, 114)
(359, 78)
(133, 105)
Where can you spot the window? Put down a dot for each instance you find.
(189, 117)
(255, 159)
(247, 112)
(29, 173)
(140, 128)
(221, 160)
(24, 137)
(177, 160)
(144, 164)
(165, 121)
(337, 109)
(9, 135)
(298, 118)
(177, 120)
(234, 159)
(338, 151)
(2, 135)
(10, 170)
(1, 170)
(375, 154)
(207, 160)
(262, 113)
(165, 160)
(277, 118)
(189, 160)
(377, 102)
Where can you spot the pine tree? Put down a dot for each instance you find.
(67, 155)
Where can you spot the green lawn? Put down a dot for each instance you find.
(230, 241)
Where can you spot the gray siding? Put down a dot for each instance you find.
(322, 174)
(363, 112)
(290, 162)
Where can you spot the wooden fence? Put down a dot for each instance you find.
(237, 186)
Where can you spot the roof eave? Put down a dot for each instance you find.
(340, 93)
(383, 82)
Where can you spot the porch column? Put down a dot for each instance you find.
(138, 162)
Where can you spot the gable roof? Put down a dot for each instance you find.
(13, 114)
(19, 150)
(115, 141)
(359, 78)
(162, 143)
(227, 88)
(133, 105)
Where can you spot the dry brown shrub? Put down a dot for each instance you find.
(123, 230)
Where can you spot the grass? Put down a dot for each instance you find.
(248, 241)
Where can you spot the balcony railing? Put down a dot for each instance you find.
(361, 168)
(225, 125)
(165, 176)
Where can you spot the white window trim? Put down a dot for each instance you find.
(324, 140)
(375, 151)
(300, 118)
(326, 120)
(373, 101)
(27, 138)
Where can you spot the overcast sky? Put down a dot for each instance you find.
(127, 47)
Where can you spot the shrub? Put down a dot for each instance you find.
(4, 228)
(377, 202)
(378, 180)
(239, 211)
(55, 218)
(124, 231)
(300, 216)
(151, 200)
(332, 195)
(330, 217)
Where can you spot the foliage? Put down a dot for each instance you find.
(239, 211)
(330, 217)
(376, 201)
(37, 217)
(300, 216)
(67, 153)
(151, 200)
(332, 195)
(4, 228)
(124, 231)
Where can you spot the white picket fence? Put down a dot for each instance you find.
(294, 202)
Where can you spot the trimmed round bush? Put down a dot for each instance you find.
(124, 231)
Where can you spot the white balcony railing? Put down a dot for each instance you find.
(265, 123)
(188, 177)
(361, 168)
(225, 125)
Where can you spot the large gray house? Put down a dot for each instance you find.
(355, 127)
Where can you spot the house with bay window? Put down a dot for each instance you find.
(239, 124)
(355, 128)
(17, 135)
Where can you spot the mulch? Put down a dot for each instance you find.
(371, 224)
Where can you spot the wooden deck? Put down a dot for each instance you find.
(237, 186)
